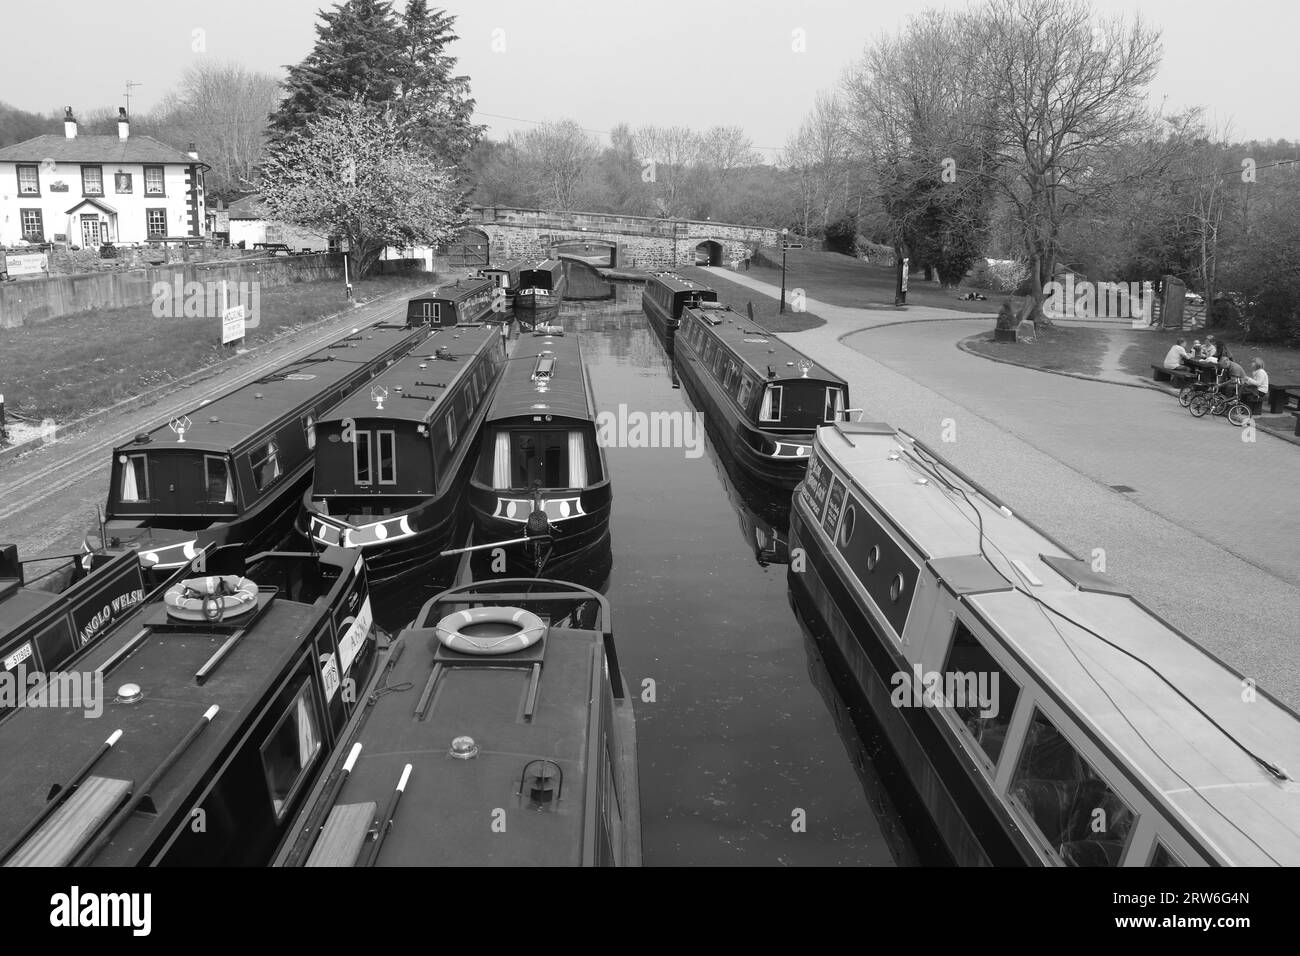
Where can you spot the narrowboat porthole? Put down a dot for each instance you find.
(896, 587)
(873, 557)
(846, 528)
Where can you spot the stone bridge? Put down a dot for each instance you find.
(496, 234)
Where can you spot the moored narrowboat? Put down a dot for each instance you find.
(506, 277)
(392, 464)
(1043, 715)
(519, 750)
(50, 608)
(765, 396)
(541, 286)
(461, 303)
(233, 470)
(541, 483)
(666, 295)
(218, 703)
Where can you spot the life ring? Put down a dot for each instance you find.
(211, 598)
(528, 629)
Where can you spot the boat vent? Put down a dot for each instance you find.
(1081, 575)
(541, 783)
(544, 371)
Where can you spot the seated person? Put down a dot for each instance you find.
(1198, 350)
(1174, 357)
(1229, 373)
(1256, 385)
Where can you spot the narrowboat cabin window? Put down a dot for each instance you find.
(290, 750)
(266, 465)
(451, 427)
(746, 388)
(984, 696)
(387, 443)
(135, 478)
(309, 427)
(771, 410)
(1074, 810)
(1162, 857)
(541, 456)
(361, 458)
(218, 479)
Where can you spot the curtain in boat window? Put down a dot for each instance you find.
(131, 487)
(577, 461)
(308, 741)
(230, 488)
(501, 461)
(771, 410)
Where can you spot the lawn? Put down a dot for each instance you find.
(1055, 348)
(69, 366)
(845, 281)
(767, 311)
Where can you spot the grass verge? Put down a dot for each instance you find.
(1054, 349)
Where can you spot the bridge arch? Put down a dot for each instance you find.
(469, 248)
(590, 249)
(708, 252)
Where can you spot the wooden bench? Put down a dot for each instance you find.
(1280, 397)
(1161, 374)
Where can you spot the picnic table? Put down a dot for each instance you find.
(1281, 396)
(275, 248)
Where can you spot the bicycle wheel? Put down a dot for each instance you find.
(1239, 414)
(1219, 404)
(1199, 405)
(1185, 396)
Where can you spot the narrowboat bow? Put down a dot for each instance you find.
(1043, 714)
(541, 286)
(520, 749)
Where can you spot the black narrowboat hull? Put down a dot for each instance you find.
(744, 442)
(527, 301)
(660, 320)
(576, 539)
(974, 827)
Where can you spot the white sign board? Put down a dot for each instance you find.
(232, 325)
(28, 264)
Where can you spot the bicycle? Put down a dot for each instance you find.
(1220, 402)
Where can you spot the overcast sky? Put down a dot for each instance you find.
(692, 62)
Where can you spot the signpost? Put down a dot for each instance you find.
(232, 319)
(786, 245)
(900, 295)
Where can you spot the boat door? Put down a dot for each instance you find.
(175, 480)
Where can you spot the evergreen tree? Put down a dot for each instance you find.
(432, 100)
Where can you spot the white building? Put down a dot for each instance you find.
(88, 190)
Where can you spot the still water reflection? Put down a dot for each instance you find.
(747, 754)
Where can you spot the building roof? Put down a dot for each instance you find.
(94, 149)
(566, 392)
(417, 382)
(247, 207)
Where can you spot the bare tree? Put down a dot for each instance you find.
(560, 154)
(673, 150)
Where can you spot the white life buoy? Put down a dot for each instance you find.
(523, 628)
(211, 598)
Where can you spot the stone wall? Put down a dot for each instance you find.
(37, 300)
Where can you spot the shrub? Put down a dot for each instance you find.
(999, 276)
(875, 253)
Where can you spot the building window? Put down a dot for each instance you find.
(387, 445)
(1078, 815)
(92, 180)
(156, 223)
(122, 182)
(153, 181)
(29, 181)
(290, 750)
(33, 225)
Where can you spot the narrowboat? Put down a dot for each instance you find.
(666, 295)
(506, 277)
(233, 470)
(458, 304)
(1044, 716)
(52, 607)
(541, 486)
(392, 464)
(765, 396)
(218, 703)
(515, 747)
(541, 286)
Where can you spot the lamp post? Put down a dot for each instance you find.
(785, 238)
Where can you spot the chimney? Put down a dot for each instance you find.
(69, 124)
(191, 151)
(123, 124)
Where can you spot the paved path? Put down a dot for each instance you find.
(1211, 537)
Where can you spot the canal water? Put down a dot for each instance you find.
(749, 755)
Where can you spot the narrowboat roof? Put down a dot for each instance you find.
(162, 657)
(1219, 790)
(678, 283)
(757, 347)
(541, 265)
(451, 292)
(514, 265)
(566, 393)
(445, 814)
(242, 413)
(416, 382)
